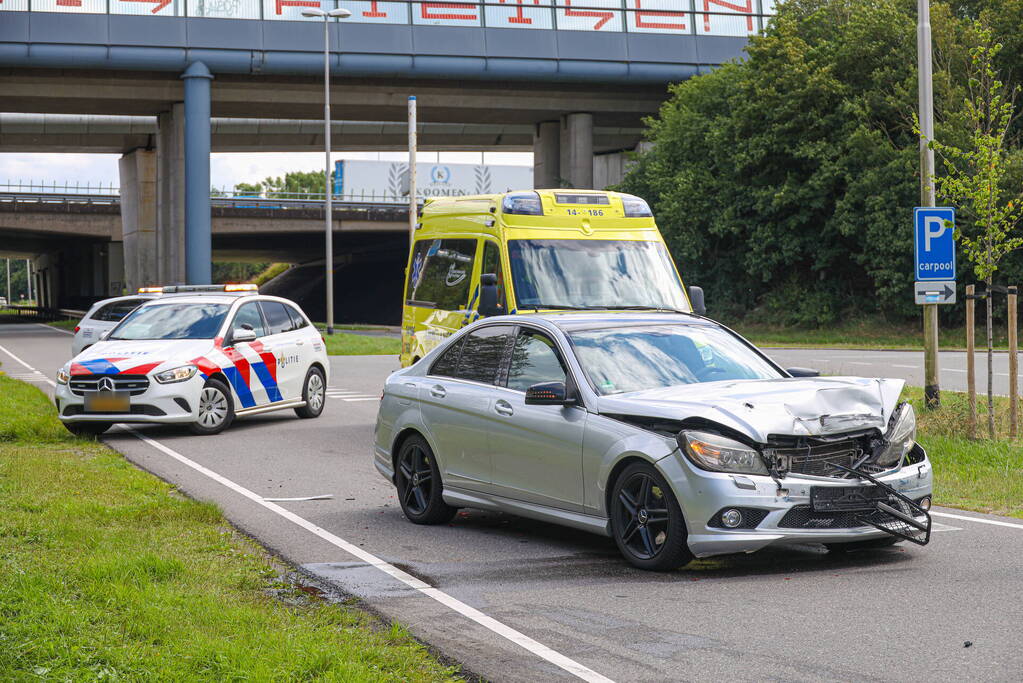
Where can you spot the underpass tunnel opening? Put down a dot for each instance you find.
(369, 273)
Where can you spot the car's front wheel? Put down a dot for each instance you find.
(646, 520)
(314, 393)
(216, 410)
(88, 429)
(417, 478)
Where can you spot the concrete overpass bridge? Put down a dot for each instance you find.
(567, 79)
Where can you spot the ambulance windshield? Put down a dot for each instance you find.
(173, 321)
(600, 274)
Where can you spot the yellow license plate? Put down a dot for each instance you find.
(108, 402)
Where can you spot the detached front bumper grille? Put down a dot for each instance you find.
(820, 461)
(135, 384)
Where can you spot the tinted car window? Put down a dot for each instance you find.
(440, 273)
(249, 314)
(116, 311)
(297, 320)
(277, 317)
(482, 352)
(446, 365)
(534, 360)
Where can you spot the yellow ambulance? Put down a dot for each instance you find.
(543, 250)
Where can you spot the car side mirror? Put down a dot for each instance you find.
(488, 295)
(803, 372)
(548, 394)
(696, 299)
(245, 333)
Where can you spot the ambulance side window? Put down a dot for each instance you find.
(249, 315)
(439, 273)
(492, 264)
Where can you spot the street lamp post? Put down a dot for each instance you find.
(925, 92)
(329, 192)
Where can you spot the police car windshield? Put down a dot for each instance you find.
(649, 357)
(173, 321)
(590, 274)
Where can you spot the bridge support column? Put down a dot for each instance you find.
(547, 155)
(577, 150)
(198, 232)
(170, 194)
(138, 217)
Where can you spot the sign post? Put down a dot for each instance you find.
(934, 255)
(925, 95)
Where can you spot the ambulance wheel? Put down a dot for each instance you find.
(88, 429)
(216, 410)
(314, 393)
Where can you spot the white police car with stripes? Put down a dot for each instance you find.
(199, 356)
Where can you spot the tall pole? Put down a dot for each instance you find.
(925, 88)
(28, 278)
(10, 297)
(413, 205)
(327, 187)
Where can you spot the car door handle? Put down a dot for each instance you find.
(438, 391)
(502, 407)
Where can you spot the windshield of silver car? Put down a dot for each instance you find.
(173, 321)
(652, 356)
(585, 274)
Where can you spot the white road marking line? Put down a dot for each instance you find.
(324, 496)
(977, 519)
(953, 370)
(938, 526)
(517, 637)
(852, 362)
(55, 329)
(45, 378)
(368, 398)
(911, 367)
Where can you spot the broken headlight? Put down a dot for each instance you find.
(900, 437)
(718, 453)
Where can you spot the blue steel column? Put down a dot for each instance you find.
(198, 233)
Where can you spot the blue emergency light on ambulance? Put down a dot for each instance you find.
(935, 251)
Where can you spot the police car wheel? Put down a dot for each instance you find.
(314, 393)
(88, 429)
(216, 411)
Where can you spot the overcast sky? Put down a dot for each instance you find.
(226, 169)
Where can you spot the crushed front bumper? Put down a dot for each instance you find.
(785, 513)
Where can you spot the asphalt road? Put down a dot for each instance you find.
(794, 613)
(908, 365)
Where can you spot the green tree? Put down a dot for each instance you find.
(294, 184)
(976, 181)
(784, 183)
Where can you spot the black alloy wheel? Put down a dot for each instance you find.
(419, 484)
(647, 521)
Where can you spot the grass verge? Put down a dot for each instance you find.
(862, 334)
(107, 573)
(344, 344)
(981, 475)
(63, 324)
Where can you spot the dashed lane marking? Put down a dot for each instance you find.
(539, 649)
(911, 367)
(44, 377)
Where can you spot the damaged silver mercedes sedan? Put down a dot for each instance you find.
(668, 432)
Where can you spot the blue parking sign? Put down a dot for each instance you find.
(935, 249)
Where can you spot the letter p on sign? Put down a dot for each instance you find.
(935, 249)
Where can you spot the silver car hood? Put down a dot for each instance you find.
(757, 408)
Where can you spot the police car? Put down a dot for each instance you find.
(201, 356)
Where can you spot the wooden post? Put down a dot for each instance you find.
(971, 366)
(1013, 365)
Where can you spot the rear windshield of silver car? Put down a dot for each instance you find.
(620, 360)
(173, 321)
